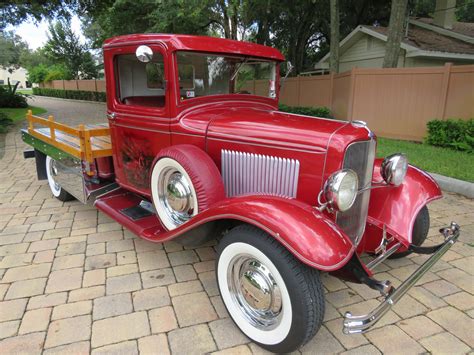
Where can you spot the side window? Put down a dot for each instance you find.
(141, 84)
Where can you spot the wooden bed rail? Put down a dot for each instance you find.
(84, 150)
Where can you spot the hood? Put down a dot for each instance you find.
(261, 124)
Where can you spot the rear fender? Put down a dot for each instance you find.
(397, 207)
(306, 233)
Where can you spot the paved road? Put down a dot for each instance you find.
(69, 111)
(74, 281)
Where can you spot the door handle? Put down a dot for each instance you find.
(111, 116)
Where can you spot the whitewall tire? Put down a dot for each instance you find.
(273, 298)
(56, 189)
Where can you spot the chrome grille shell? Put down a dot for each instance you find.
(247, 173)
(359, 157)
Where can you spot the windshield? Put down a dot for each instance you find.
(203, 74)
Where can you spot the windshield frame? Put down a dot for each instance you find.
(221, 97)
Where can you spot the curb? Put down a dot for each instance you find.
(454, 185)
(72, 100)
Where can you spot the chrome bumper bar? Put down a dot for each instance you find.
(362, 323)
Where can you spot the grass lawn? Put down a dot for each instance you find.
(459, 165)
(25, 91)
(17, 114)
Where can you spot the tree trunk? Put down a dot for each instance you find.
(334, 48)
(395, 33)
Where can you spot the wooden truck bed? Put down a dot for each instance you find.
(85, 142)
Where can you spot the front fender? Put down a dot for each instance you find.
(396, 207)
(306, 233)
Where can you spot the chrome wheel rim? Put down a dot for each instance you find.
(175, 195)
(53, 171)
(255, 292)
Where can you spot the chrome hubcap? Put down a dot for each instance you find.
(175, 195)
(255, 292)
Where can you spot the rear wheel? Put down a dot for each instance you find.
(277, 301)
(56, 189)
(420, 232)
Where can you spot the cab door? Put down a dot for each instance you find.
(138, 113)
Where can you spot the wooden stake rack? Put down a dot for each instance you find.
(83, 142)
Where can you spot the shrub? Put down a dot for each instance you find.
(70, 94)
(5, 121)
(9, 97)
(308, 111)
(453, 133)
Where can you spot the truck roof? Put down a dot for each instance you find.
(198, 44)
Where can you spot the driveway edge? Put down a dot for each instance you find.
(454, 185)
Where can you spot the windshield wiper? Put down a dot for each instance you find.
(238, 68)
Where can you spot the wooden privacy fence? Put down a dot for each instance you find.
(84, 85)
(395, 103)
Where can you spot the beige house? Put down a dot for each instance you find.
(17, 75)
(427, 42)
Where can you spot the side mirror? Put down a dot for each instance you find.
(144, 54)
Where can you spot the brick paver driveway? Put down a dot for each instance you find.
(74, 281)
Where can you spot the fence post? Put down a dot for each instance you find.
(444, 91)
(350, 105)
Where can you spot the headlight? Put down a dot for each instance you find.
(341, 188)
(394, 169)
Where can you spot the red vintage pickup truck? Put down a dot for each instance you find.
(196, 149)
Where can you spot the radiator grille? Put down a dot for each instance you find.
(246, 173)
(360, 158)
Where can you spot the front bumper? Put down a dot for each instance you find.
(360, 324)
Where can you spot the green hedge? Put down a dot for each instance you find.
(70, 94)
(308, 111)
(453, 133)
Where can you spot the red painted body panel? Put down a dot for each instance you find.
(397, 207)
(310, 236)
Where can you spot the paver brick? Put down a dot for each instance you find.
(119, 245)
(9, 329)
(27, 272)
(100, 261)
(419, 327)
(11, 310)
(26, 288)
(237, 350)
(110, 306)
(43, 245)
(183, 341)
(71, 249)
(68, 330)
(93, 278)
(183, 288)
(208, 280)
(193, 309)
(152, 260)
(162, 320)
(456, 321)
(16, 260)
(125, 283)
(462, 300)
(183, 257)
(445, 343)
(391, 339)
(122, 270)
(154, 278)
(35, 321)
(45, 256)
(126, 257)
(95, 249)
(122, 331)
(226, 334)
(88, 293)
(324, 343)
(150, 298)
(184, 273)
(64, 280)
(30, 344)
(441, 288)
(154, 344)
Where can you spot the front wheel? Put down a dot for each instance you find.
(277, 301)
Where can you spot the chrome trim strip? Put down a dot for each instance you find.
(362, 323)
(248, 173)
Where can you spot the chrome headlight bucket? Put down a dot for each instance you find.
(394, 169)
(340, 189)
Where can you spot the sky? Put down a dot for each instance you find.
(35, 34)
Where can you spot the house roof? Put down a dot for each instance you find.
(428, 40)
(423, 40)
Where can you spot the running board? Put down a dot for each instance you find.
(118, 203)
